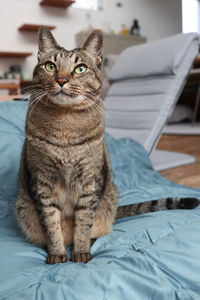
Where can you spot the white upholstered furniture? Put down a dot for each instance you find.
(146, 82)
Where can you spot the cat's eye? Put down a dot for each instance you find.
(80, 69)
(50, 67)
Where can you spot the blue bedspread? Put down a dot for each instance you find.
(153, 256)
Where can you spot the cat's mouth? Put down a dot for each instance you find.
(65, 97)
(63, 93)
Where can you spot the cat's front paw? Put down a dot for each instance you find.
(81, 257)
(56, 259)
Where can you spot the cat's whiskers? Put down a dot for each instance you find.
(36, 93)
(32, 105)
(26, 90)
(105, 105)
(91, 105)
(97, 106)
(99, 109)
(34, 102)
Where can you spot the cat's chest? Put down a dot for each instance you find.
(74, 175)
(71, 160)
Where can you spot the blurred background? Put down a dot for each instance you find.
(154, 18)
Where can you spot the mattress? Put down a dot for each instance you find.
(152, 256)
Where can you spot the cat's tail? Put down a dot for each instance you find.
(156, 205)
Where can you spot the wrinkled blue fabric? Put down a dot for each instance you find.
(154, 256)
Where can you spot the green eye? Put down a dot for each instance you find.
(50, 66)
(80, 69)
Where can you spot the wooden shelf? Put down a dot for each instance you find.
(15, 54)
(11, 97)
(11, 86)
(57, 3)
(26, 82)
(34, 27)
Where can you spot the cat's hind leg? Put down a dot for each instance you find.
(105, 213)
(29, 221)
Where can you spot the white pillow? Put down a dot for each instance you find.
(162, 57)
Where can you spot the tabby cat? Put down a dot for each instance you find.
(66, 191)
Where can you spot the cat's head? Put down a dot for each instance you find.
(68, 77)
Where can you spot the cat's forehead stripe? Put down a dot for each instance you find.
(55, 57)
(76, 59)
(73, 56)
(59, 55)
(71, 53)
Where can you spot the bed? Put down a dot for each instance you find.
(153, 256)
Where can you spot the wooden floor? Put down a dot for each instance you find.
(190, 174)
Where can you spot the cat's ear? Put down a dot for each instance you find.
(46, 41)
(94, 46)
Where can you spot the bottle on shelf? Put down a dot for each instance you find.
(135, 28)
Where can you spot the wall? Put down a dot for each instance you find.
(158, 18)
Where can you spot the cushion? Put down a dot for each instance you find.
(155, 58)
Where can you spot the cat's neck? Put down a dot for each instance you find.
(47, 117)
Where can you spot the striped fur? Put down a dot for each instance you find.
(156, 205)
(66, 191)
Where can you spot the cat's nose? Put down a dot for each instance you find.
(62, 81)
